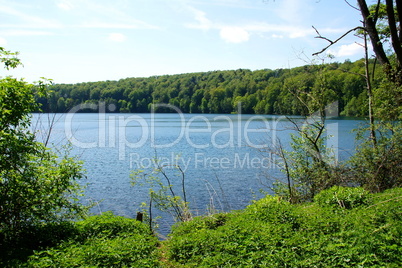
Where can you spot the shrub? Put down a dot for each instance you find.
(38, 185)
(201, 223)
(274, 233)
(108, 225)
(102, 241)
(378, 167)
(344, 197)
(34, 238)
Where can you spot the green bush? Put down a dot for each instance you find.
(202, 223)
(344, 197)
(109, 226)
(39, 186)
(274, 210)
(102, 241)
(34, 238)
(123, 251)
(274, 233)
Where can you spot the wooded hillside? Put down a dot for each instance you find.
(260, 92)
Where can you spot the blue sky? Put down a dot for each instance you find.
(74, 41)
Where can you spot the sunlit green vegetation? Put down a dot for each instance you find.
(98, 241)
(260, 92)
(312, 221)
(344, 227)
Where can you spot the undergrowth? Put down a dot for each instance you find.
(99, 241)
(343, 227)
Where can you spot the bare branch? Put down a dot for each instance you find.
(352, 6)
(322, 37)
(333, 42)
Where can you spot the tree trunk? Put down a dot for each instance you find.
(396, 44)
(399, 11)
(373, 33)
(394, 74)
(369, 93)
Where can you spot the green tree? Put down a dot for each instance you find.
(61, 105)
(376, 163)
(36, 186)
(309, 166)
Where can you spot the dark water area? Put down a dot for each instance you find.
(220, 155)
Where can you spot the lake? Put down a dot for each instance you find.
(220, 155)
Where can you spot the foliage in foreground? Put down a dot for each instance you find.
(344, 227)
(98, 241)
(378, 167)
(36, 185)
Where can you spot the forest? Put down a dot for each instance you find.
(259, 92)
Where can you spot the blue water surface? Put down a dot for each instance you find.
(226, 159)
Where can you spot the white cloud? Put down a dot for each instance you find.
(107, 25)
(348, 50)
(117, 37)
(3, 41)
(24, 33)
(65, 5)
(230, 34)
(239, 33)
(234, 34)
(203, 22)
(30, 21)
(277, 36)
(294, 11)
(280, 30)
(112, 16)
(293, 15)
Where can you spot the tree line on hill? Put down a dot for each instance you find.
(259, 92)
